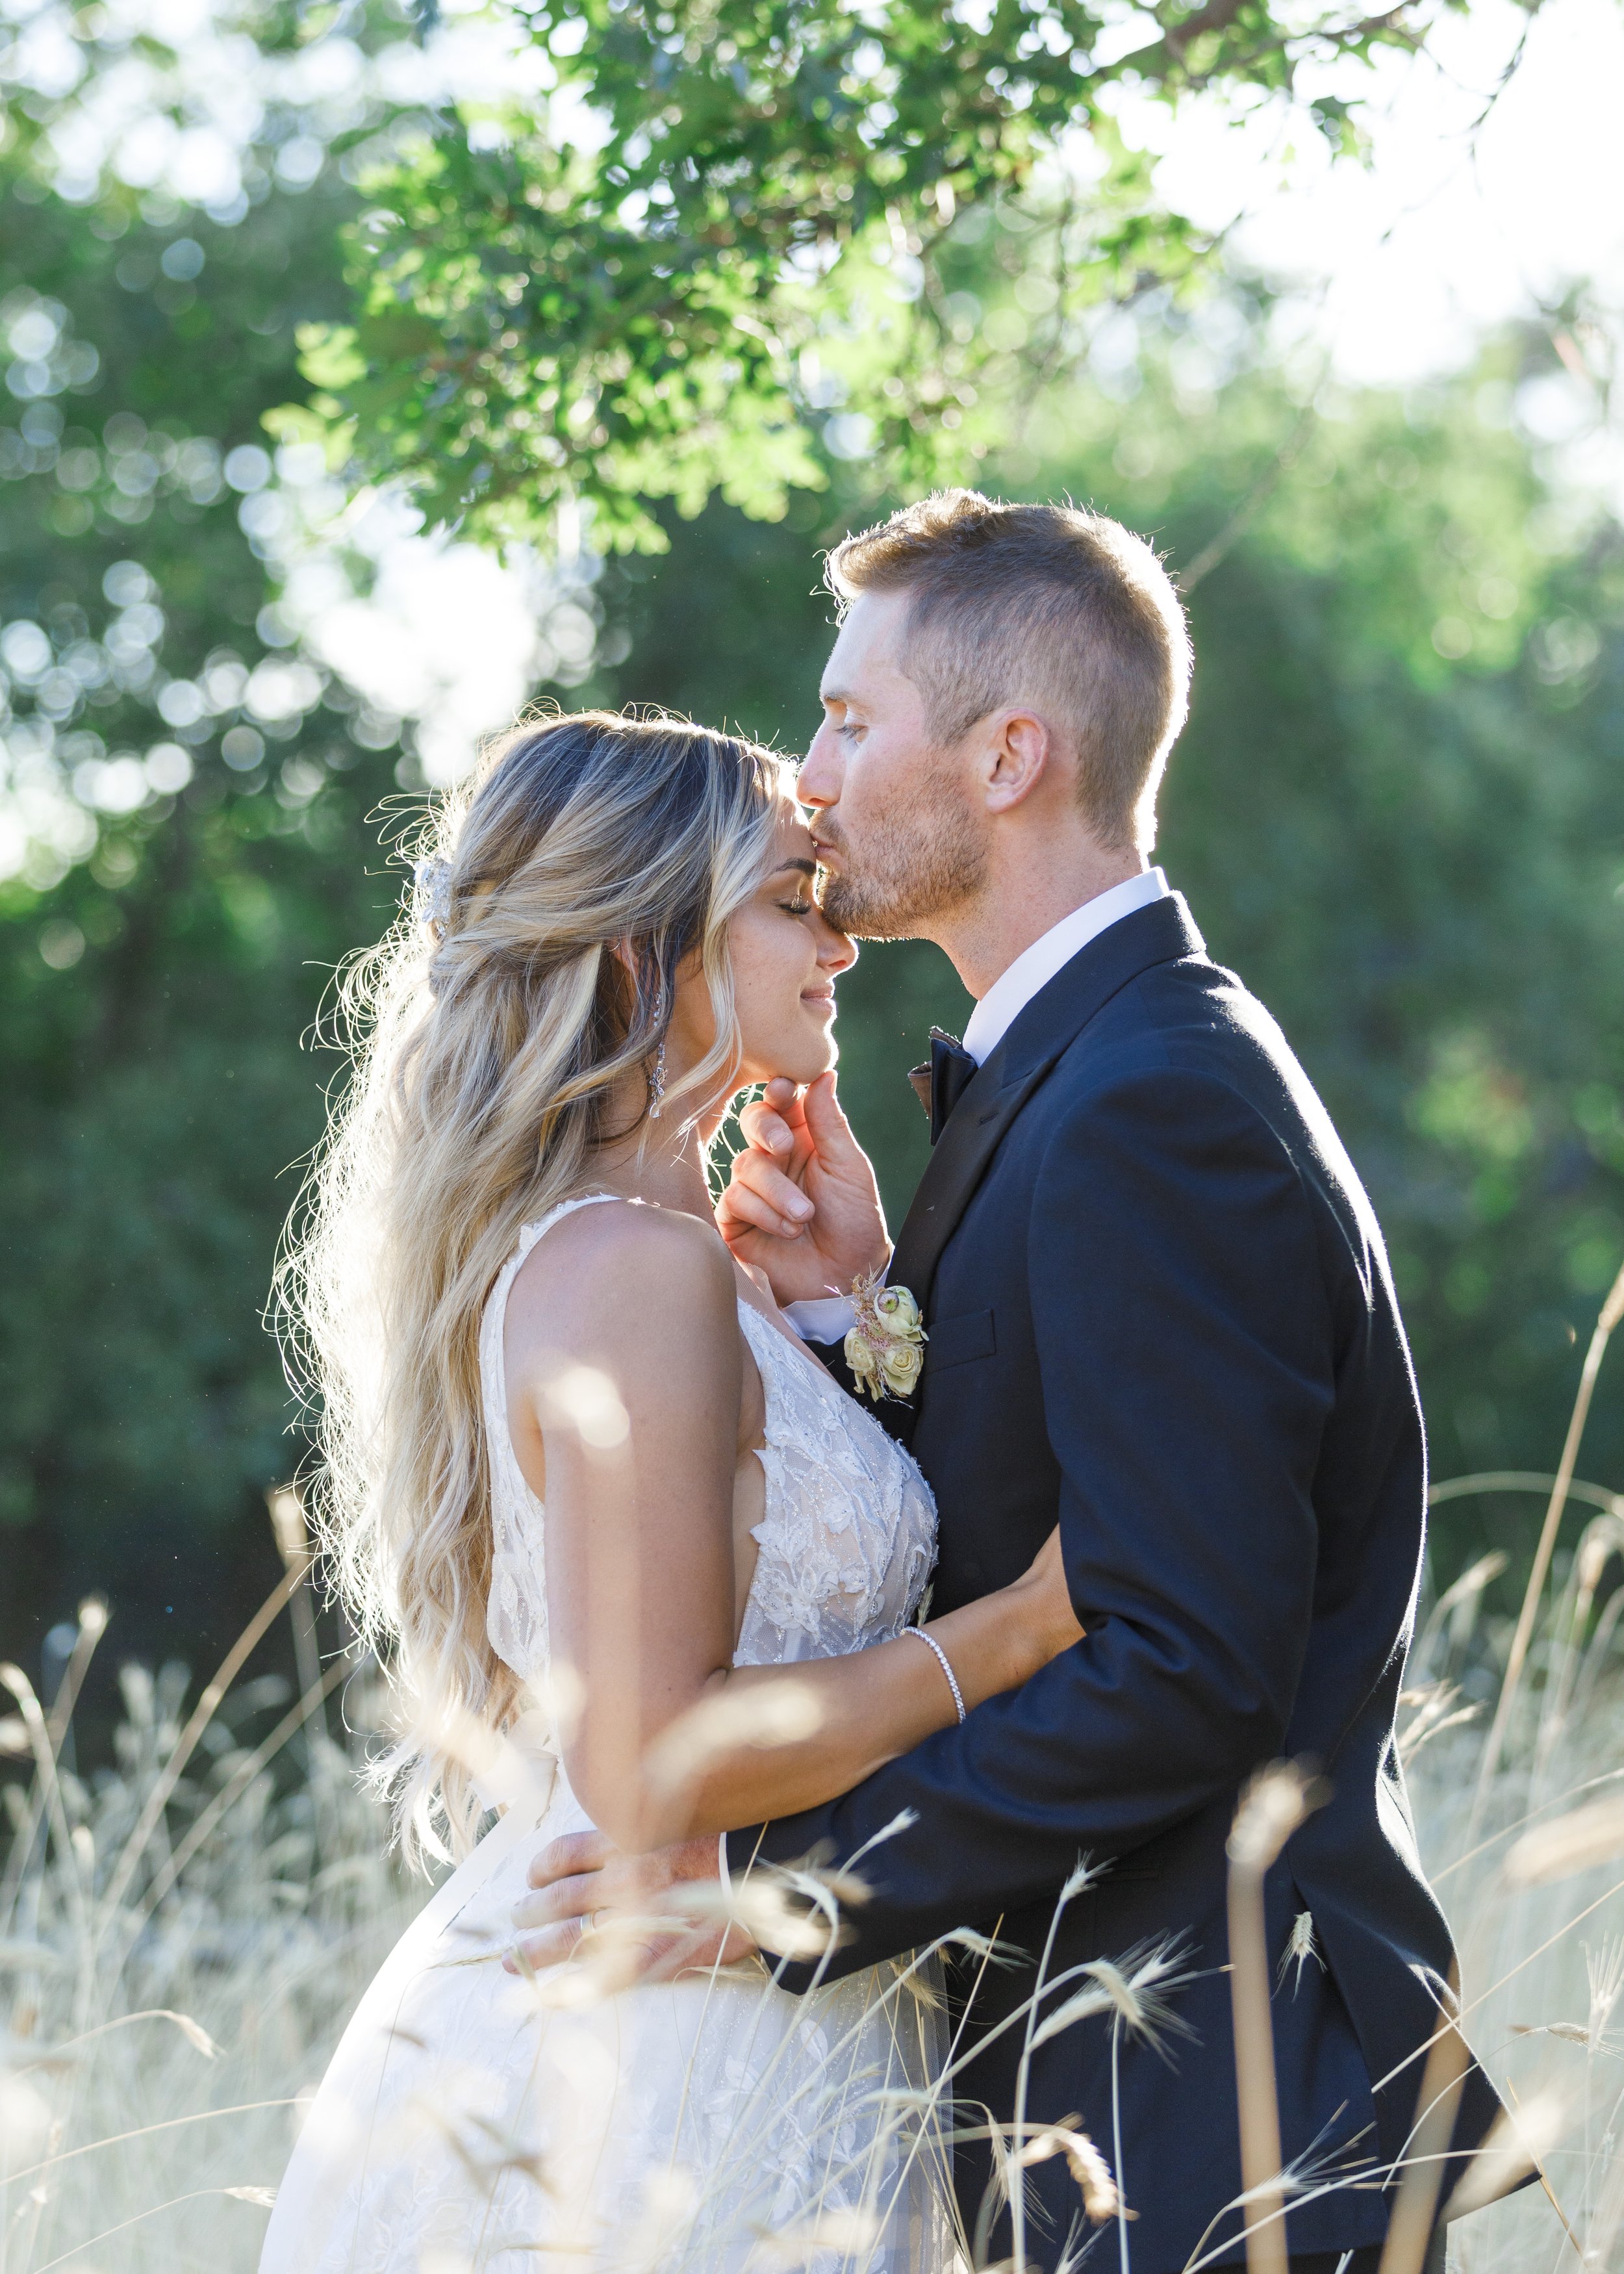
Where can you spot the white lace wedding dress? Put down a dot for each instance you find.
(709, 2125)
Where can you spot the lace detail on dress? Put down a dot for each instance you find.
(846, 1541)
(848, 1537)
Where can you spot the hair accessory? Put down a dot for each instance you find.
(433, 877)
(931, 1642)
(884, 1349)
(656, 1084)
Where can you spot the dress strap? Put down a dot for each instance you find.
(529, 1234)
(495, 1380)
(517, 1611)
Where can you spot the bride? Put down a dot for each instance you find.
(636, 1560)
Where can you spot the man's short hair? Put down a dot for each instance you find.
(1044, 605)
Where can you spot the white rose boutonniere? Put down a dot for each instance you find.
(884, 1349)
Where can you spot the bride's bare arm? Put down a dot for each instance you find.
(627, 1362)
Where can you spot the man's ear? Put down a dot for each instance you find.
(1019, 751)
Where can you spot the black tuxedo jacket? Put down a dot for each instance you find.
(1160, 1314)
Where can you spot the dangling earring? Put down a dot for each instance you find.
(656, 1084)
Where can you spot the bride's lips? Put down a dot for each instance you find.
(819, 1001)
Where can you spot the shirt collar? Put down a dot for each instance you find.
(1035, 966)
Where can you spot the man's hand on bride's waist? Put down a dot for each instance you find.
(581, 1882)
(801, 1204)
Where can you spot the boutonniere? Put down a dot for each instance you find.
(885, 1348)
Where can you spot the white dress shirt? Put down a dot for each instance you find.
(1035, 966)
(828, 1318)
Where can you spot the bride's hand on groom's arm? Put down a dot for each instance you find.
(584, 1876)
(801, 1204)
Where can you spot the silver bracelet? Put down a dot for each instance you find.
(931, 1642)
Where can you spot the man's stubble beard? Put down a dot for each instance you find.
(904, 874)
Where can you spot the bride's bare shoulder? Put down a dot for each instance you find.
(617, 1265)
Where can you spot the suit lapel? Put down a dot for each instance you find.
(973, 1135)
(1045, 1028)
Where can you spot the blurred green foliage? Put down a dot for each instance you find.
(1397, 810)
(153, 998)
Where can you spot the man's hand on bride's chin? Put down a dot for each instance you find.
(582, 1874)
(801, 1203)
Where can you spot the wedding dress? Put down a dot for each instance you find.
(708, 2125)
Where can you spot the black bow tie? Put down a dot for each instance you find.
(943, 1079)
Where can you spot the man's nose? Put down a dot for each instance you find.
(818, 782)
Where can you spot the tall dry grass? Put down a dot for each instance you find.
(184, 1930)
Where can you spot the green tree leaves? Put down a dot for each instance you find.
(606, 294)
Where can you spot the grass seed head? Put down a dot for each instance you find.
(1575, 1842)
(1088, 2168)
(1134, 1990)
(1273, 1805)
(1605, 1972)
(1472, 1581)
(1300, 1947)
(1082, 1876)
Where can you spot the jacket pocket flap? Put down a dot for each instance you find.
(955, 1342)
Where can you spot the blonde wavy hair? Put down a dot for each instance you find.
(488, 1031)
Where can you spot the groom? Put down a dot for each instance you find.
(1160, 1314)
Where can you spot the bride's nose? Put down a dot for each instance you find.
(837, 952)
